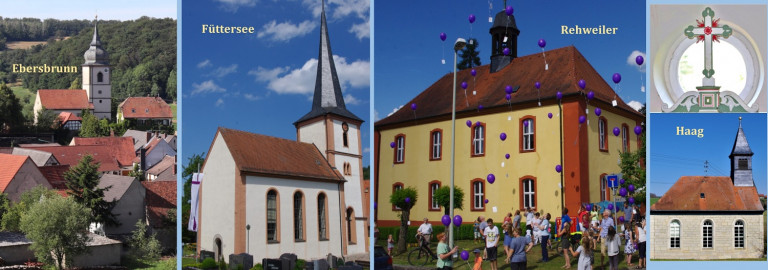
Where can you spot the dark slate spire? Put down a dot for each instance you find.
(741, 160)
(740, 145)
(328, 97)
(95, 54)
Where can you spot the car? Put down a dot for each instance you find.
(381, 260)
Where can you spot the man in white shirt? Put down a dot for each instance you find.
(491, 240)
(425, 230)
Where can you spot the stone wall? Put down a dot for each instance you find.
(691, 237)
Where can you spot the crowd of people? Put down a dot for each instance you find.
(591, 232)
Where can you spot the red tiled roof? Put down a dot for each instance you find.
(9, 166)
(566, 67)
(145, 107)
(55, 175)
(719, 195)
(121, 147)
(270, 155)
(65, 117)
(161, 197)
(64, 99)
(71, 155)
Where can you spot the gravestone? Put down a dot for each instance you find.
(321, 264)
(244, 259)
(206, 254)
(271, 264)
(350, 267)
(288, 261)
(310, 265)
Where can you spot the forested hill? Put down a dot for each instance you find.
(142, 54)
(33, 29)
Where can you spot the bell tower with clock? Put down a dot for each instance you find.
(96, 77)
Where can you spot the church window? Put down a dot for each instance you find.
(399, 148)
(674, 234)
(528, 186)
(345, 137)
(99, 77)
(347, 168)
(706, 233)
(433, 186)
(527, 134)
(397, 186)
(478, 197)
(738, 234)
(436, 140)
(602, 128)
(743, 164)
(322, 216)
(351, 230)
(625, 138)
(478, 140)
(298, 216)
(272, 214)
(100, 100)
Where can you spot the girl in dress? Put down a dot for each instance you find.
(585, 254)
(390, 245)
(629, 249)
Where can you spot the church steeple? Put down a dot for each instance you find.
(328, 98)
(741, 160)
(504, 34)
(95, 54)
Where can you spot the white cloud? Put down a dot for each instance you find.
(206, 87)
(361, 30)
(283, 80)
(219, 102)
(395, 110)
(251, 97)
(633, 56)
(285, 31)
(220, 72)
(351, 100)
(234, 5)
(340, 9)
(637, 105)
(206, 63)
(376, 115)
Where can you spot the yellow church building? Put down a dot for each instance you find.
(413, 147)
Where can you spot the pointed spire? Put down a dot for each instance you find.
(96, 41)
(328, 97)
(740, 145)
(95, 54)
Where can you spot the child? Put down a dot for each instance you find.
(476, 229)
(390, 244)
(478, 260)
(585, 253)
(612, 248)
(630, 247)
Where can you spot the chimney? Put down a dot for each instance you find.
(149, 135)
(143, 157)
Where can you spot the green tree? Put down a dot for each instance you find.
(82, 182)
(57, 227)
(137, 173)
(633, 170)
(443, 198)
(398, 199)
(144, 246)
(469, 55)
(170, 89)
(193, 165)
(15, 211)
(5, 205)
(91, 127)
(76, 84)
(46, 120)
(11, 117)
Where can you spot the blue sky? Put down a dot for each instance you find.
(263, 82)
(86, 9)
(672, 156)
(407, 62)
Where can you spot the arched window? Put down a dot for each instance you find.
(99, 77)
(322, 216)
(478, 140)
(400, 148)
(605, 192)
(625, 138)
(395, 187)
(528, 194)
(478, 194)
(345, 138)
(436, 141)
(273, 223)
(351, 230)
(433, 186)
(602, 129)
(298, 216)
(674, 234)
(706, 234)
(738, 234)
(528, 134)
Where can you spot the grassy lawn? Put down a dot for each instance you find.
(173, 111)
(555, 260)
(654, 200)
(165, 263)
(26, 98)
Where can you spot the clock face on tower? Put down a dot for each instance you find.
(106, 70)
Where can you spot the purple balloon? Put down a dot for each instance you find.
(598, 111)
(616, 131)
(582, 84)
(491, 178)
(616, 77)
(375, 205)
(509, 10)
(589, 207)
(479, 107)
(506, 156)
(559, 95)
(446, 220)
(537, 84)
(621, 219)
(631, 188)
(443, 36)
(477, 124)
(473, 72)
(558, 168)
(508, 97)
(590, 95)
(471, 18)
(623, 192)
(631, 200)
(542, 43)
(464, 85)
(465, 255)
(525, 123)
(503, 136)
(582, 119)
(506, 51)
(457, 220)
(407, 199)
(392, 144)
(508, 89)
(549, 115)
(638, 130)
(610, 207)
(486, 201)
(413, 106)
(469, 123)
(639, 60)
(621, 181)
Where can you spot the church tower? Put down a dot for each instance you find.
(96, 78)
(741, 160)
(504, 34)
(336, 133)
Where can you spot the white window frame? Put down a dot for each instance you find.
(478, 140)
(707, 234)
(674, 234)
(433, 188)
(528, 135)
(738, 234)
(529, 193)
(477, 194)
(400, 149)
(436, 146)
(625, 138)
(601, 137)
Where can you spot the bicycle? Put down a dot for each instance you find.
(421, 255)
